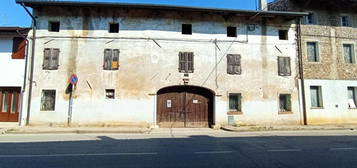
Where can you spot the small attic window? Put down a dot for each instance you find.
(113, 27)
(231, 31)
(53, 26)
(186, 28)
(283, 35)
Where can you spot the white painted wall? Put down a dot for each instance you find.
(11, 70)
(335, 106)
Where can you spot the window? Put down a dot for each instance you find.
(186, 28)
(18, 48)
(113, 27)
(284, 66)
(5, 101)
(231, 31)
(186, 62)
(312, 52)
(283, 34)
(233, 64)
(310, 19)
(50, 60)
(48, 100)
(349, 53)
(109, 93)
(345, 21)
(352, 99)
(14, 103)
(285, 102)
(111, 59)
(54, 26)
(316, 96)
(235, 104)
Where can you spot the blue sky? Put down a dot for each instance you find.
(12, 14)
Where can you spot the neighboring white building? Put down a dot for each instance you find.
(164, 65)
(12, 70)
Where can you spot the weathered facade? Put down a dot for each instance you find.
(328, 47)
(141, 64)
(12, 67)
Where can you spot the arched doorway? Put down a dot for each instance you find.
(185, 106)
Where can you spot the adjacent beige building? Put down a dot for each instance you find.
(328, 49)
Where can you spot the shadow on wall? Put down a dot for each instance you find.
(141, 20)
(6, 46)
(193, 151)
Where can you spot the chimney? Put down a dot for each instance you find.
(263, 5)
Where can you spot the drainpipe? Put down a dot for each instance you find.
(25, 76)
(34, 25)
(301, 71)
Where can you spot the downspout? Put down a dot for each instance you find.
(34, 25)
(25, 76)
(301, 71)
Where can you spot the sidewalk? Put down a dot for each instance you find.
(142, 130)
(288, 128)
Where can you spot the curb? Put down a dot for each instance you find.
(258, 129)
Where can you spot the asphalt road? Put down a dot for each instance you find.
(319, 149)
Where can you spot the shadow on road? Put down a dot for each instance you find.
(193, 151)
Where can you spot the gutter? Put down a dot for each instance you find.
(25, 76)
(301, 71)
(34, 25)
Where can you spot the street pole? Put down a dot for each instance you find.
(70, 107)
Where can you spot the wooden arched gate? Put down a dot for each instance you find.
(184, 106)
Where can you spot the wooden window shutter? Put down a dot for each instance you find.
(107, 59)
(190, 59)
(18, 48)
(284, 66)
(287, 66)
(234, 64)
(182, 62)
(54, 58)
(230, 66)
(46, 58)
(115, 62)
(238, 68)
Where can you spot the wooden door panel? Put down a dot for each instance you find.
(184, 107)
(9, 104)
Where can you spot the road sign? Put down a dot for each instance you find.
(73, 80)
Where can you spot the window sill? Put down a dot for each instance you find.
(235, 113)
(316, 108)
(352, 108)
(285, 112)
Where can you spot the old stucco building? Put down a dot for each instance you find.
(164, 65)
(328, 46)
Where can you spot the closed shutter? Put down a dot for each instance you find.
(234, 64)
(190, 59)
(182, 62)
(230, 67)
(284, 66)
(46, 59)
(107, 59)
(54, 59)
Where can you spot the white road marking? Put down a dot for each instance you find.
(284, 150)
(77, 154)
(214, 152)
(338, 149)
